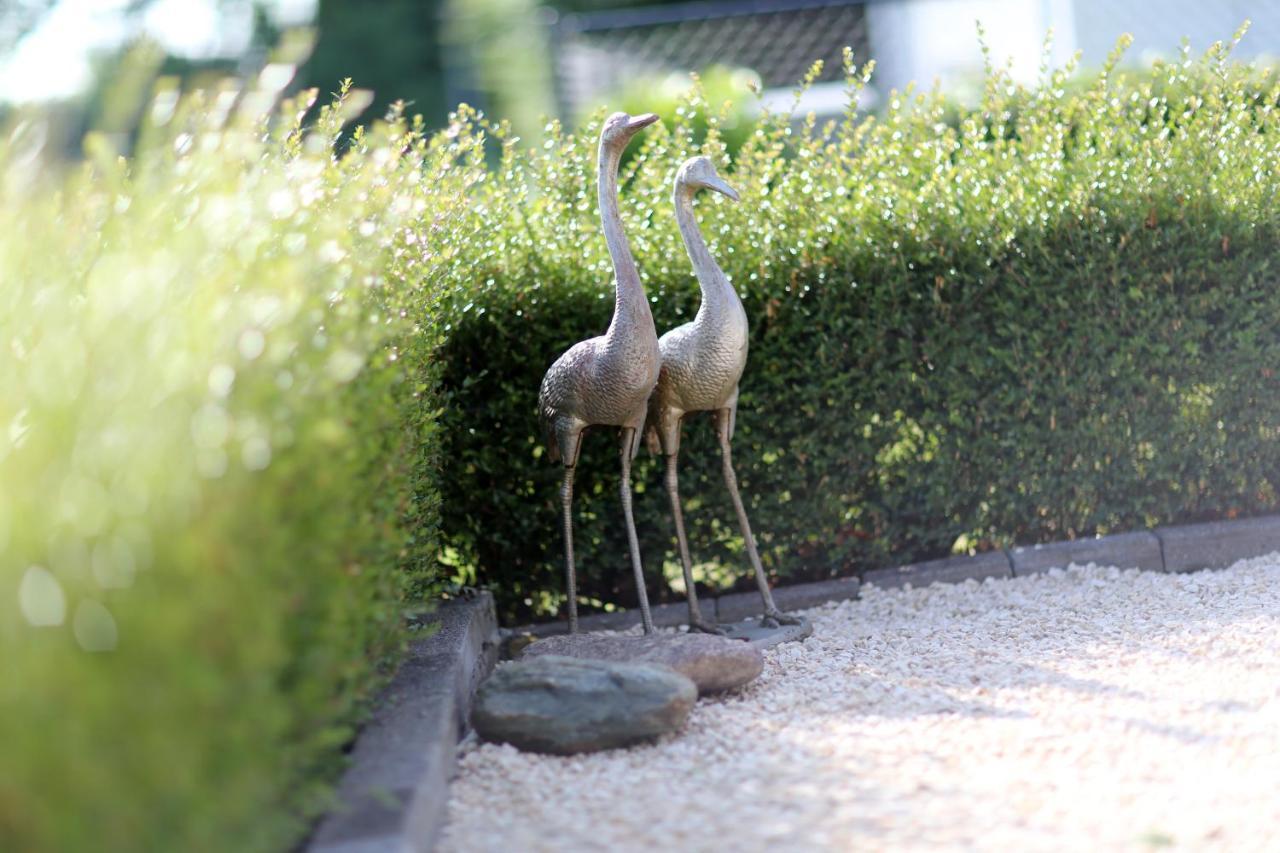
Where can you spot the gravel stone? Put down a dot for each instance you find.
(565, 705)
(714, 664)
(1084, 709)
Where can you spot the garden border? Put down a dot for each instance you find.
(393, 798)
(1173, 549)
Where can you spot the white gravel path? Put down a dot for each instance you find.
(1085, 709)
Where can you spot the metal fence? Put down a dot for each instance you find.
(598, 53)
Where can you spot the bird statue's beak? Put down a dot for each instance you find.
(722, 188)
(641, 121)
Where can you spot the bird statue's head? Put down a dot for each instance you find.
(620, 127)
(699, 173)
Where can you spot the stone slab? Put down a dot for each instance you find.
(737, 606)
(714, 664)
(1218, 544)
(990, 564)
(1139, 550)
(393, 795)
(762, 637)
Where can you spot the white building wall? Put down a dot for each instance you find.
(1158, 27)
(927, 40)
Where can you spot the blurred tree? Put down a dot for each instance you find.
(497, 59)
(393, 47)
(19, 18)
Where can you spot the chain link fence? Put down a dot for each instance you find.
(597, 54)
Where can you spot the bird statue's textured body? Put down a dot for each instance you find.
(702, 362)
(605, 381)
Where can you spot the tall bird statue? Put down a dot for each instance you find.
(606, 381)
(702, 362)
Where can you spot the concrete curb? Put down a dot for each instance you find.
(1139, 550)
(991, 564)
(725, 608)
(1183, 548)
(1218, 543)
(392, 798)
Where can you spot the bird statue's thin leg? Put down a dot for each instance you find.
(773, 617)
(696, 622)
(571, 580)
(628, 442)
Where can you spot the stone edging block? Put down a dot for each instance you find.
(1140, 550)
(989, 564)
(1218, 544)
(394, 794)
(664, 616)
(742, 605)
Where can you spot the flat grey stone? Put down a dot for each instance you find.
(1139, 550)
(1218, 544)
(565, 705)
(737, 606)
(763, 637)
(990, 564)
(713, 663)
(393, 795)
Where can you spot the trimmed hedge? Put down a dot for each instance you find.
(1051, 316)
(216, 463)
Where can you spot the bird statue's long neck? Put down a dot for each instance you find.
(718, 294)
(630, 307)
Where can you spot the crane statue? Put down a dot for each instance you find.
(605, 381)
(702, 362)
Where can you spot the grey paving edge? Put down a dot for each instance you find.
(1184, 548)
(726, 608)
(392, 798)
(991, 564)
(1219, 543)
(801, 596)
(1140, 550)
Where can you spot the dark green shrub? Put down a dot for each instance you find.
(1015, 329)
(717, 94)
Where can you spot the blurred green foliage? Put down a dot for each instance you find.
(1052, 317)
(499, 50)
(218, 448)
(390, 47)
(727, 93)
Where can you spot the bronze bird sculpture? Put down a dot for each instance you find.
(702, 362)
(605, 381)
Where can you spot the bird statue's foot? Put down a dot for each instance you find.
(702, 626)
(776, 619)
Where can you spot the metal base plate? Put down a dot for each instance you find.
(763, 637)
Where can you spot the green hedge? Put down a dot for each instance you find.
(1051, 317)
(218, 452)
